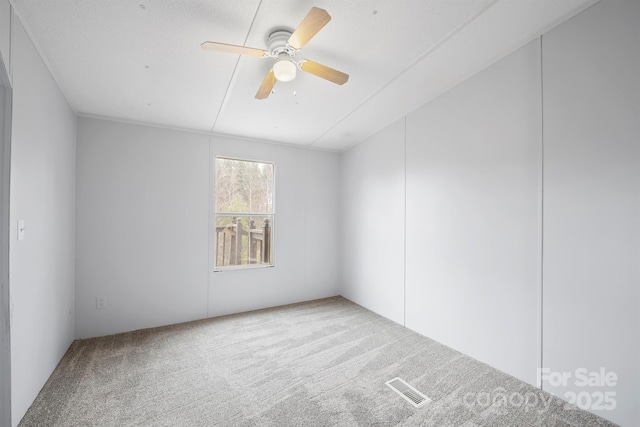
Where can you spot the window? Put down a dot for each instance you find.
(243, 213)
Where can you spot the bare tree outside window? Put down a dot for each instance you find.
(244, 213)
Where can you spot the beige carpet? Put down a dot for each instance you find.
(321, 363)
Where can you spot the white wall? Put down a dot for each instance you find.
(5, 338)
(472, 215)
(477, 223)
(372, 222)
(43, 195)
(5, 152)
(592, 202)
(141, 227)
(143, 204)
(5, 36)
(306, 245)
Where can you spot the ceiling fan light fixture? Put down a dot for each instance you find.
(284, 70)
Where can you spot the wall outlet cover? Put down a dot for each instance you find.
(101, 303)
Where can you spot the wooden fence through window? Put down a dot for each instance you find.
(237, 244)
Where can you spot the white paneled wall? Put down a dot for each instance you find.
(5, 339)
(473, 161)
(306, 233)
(372, 222)
(592, 205)
(143, 242)
(142, 234)
(537, 154)
(5, 35)
(43, 148)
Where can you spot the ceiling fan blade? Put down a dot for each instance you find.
(231, 48)
(309, 27)
(267, 85)
(325, 72)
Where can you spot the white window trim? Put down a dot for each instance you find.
(213, 214)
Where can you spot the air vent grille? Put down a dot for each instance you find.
(407, 392)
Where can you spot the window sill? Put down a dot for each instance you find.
(242, 267)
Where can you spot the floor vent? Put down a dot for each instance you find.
(408, 393)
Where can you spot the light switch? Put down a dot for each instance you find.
(21, 229)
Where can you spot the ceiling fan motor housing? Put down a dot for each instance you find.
(277, 43)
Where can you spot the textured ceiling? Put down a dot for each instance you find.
(140, 60)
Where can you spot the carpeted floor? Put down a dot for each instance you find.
(321, 363)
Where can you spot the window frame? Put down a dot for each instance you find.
(215, 213)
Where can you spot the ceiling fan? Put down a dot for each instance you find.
(283, 47)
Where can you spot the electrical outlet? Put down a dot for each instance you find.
(101, 302)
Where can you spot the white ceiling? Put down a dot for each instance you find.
(140, 60)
